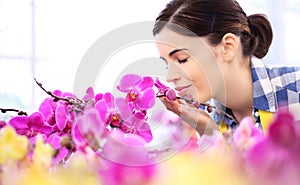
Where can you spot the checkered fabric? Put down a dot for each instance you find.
(273, 87)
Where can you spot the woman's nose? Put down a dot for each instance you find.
(173, 72)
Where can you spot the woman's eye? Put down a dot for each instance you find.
(182, 61)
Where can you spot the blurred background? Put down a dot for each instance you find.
(47, 39)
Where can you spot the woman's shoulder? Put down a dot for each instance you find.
(279, 74)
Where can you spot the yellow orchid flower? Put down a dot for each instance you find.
(75, 173)
(190, 167)
(42, 154)
(12, 146)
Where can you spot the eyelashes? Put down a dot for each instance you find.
(183, 60)
(179, 61)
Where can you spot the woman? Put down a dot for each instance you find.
(213, 51)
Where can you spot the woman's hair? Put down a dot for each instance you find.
(215, 18)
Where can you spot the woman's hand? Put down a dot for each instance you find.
(196, 118)
(174, 106)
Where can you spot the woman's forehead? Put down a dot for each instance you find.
(168, 40)
(169, 37)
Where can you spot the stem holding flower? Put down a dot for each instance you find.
(196, 104)
(13, 110)
(77, 104)
(55, 98)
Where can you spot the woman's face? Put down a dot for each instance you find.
(192, 66)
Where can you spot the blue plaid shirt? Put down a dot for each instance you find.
(273, 87)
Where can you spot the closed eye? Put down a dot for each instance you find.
(183, 60)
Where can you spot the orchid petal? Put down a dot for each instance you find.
(126, 83)
(98, 97)
(282, 131)
(89, 94)
(144, 83)
(61, 116)
(47, 130)
(68, 94)
(247, 135)
(90, 122)
(45, 107)
(123, 108)
(57, 92)
(145, 132)
(147, 99)
(77, 136)
(19, 122)
(36, 120)
(2, 124)
(109, 99)
(139, 115)
(54, 140)
(125, 148)
(160, 86)
(103, 110)
(33, 139)
(62, 153)
(171, 95)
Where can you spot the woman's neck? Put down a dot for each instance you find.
(239, 90)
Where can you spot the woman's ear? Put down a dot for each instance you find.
(229, 45)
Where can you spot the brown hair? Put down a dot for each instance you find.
(215, 18)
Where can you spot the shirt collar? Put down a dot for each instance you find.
(263, 94)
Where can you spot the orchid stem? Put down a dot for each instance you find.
(13, 110)
(55, 98)
(202, 104)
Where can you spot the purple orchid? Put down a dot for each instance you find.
(61, 151)
(139, 91)
(58, 114)
(90, 94)
(47, 108)
(276, 158)
(109, 114)
(124, 155)
(247, 135)
(31, 125)
(2, 124)
(136, 124)
(88, 129)
(117, 114)
(164, 90)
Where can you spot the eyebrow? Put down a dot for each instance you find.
(175, 51)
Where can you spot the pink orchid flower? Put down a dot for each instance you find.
(164, 90)
(31, 125)
(124, 155)
(139, 91)
(277, 156)
(247, 135)
(117, 114)
(88, 129)
(58, 114)
(90, 94)
(2, 124)
(61, 152)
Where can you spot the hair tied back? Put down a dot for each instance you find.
(249, 24)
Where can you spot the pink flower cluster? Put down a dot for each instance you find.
(272, 158)
(117, 130)
(70, 124)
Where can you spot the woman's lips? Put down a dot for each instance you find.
(182, 90)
